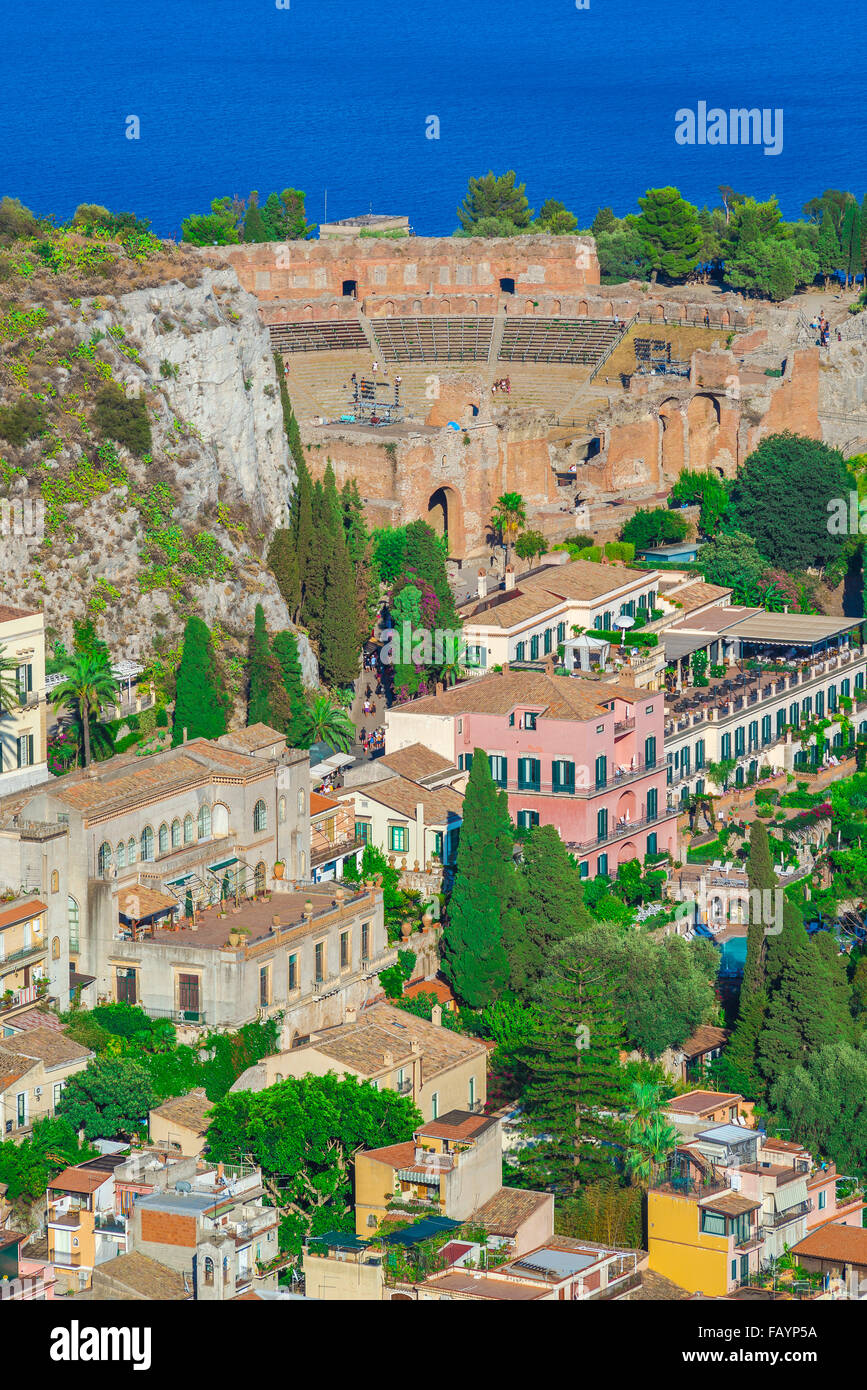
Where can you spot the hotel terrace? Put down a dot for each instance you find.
(573, 752)
(783, 671)
(309, 953)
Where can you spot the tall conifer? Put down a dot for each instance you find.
(201, 701)
(259, 709)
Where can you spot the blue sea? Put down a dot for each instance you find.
(334, 97)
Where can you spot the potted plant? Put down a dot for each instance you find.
(234, 936)
(279, 868)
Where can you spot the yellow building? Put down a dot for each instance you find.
(180, 1124)
(83, 1229)
(23, 951)
(35, 1065)
(23, 725)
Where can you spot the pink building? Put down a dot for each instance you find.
(579, 754)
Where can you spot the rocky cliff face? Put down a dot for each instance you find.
(140, 541)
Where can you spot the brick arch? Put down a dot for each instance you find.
(725, 318)
(307, 311)
(626, 802)
(608, 310)
(416, 306)
(703, 423)
(672, 444)
(473, 306)
(333, 310)
(627, 852)
(445, 514)
(445, 306)
(556, 307)
(529, 306)
(583, 308)
(388, 308)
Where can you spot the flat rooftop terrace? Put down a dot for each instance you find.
(263, 921)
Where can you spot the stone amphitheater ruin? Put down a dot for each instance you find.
(580, 423)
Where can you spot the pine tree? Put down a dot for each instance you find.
(863, 260)
(259, 709)
(254, 227)
(285, 649)
(201, 702)
(575, 1084)
(762, 880)
(473, 955)
(828, 247)
(808, 1008)
(850, 241)
(548, 908)
(283, 563)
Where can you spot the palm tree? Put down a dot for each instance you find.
(452, 665)
(87, 684)
(8, 682)
(508, 518)
(325, 722)
(652, 1138)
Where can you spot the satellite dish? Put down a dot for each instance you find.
(183, 1187)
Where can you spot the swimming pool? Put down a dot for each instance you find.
(733, 955)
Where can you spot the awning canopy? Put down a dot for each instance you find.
(339, 1240)
(791, 1194)
(223, 864)
(431, 1226)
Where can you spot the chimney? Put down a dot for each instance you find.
(483, 584)
(510, 578)
(436, 1015)
(439, 687)
(415, 1046)
(388, 1059)
(186, 735)
(350, 1016)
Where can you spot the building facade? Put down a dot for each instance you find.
(23, 725)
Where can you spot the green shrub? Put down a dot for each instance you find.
(123, 418)
(22, 421)
(162, 719)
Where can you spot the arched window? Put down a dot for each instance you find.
(131, 851)
(204, 822)
(259, 877)
(103, 859)
(209, 1271)
(120, 854)
(188, 830)
(176, 834)
(73, 917)
(260, 817)
(302, 800)
(281, 810)
(147, 843)
(219, 820)
(55, 881)
(164, 838)
(55, 948)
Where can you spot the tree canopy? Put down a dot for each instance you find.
(780, 497)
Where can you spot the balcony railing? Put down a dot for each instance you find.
(782, 1218)
(25, 953)
(622, 832)
(585, 789)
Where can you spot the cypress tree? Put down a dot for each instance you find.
(283, 563)
(201, 702)
(808, 1008)
(863, 261)
(290, 423)
(575, 1084)
(828, 247)
(254, 226)
(339, 646)
(473, 956)
(850, 241)
(762, 880)
(547, 908)
(285, 649)
(259, 709)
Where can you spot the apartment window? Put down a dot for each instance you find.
(58, 1092)
(650, 752)
(754, 734)
(435, 1105)
(319, 961)
(176, 834)
(602, 824)
(438, 843)
(859, 681)
(103, 859)
(362, 830)
(823, 1197)
(472, 1091)
(73, 917)
(499, 768)
(512, 720)
(699, 754)
(527, 819)
(281, 809)
(561, 632)
(534, 647)
(794, 714)
(739, 742)
(597, 622)
(260, 817)
(781, 722)
(520, 650)
(188, 994)
(293, 973)
(203, 822)
(547, 640)
(725, 747)
(766, 729)
(845, 689)
(397, 839)
(562, 776)
(684, 762)
(164, 839)
(820, 703)
(21, 1108)
(460, 726)
(24, 681)
(601, 770)
(365, 941)
(713, 1223)
(529, 774)
(264, 986)
(807, 706)
(530, 719)
(209, 1272)
(120, 854)
(602, 864)
(652, 804)
(652, 847)
(25, 750)
(584, 868)
(465, 761)
(832, 698)
(345, 957)
(188, 830)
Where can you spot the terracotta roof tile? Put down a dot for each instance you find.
(145, 1277)
(554, 697)
(189, 1110)
(697, 1102)
(381, 1028)
(79, 1180)
(441, 804)
(22, 911)
(394, 1155)
(48, 1046)
(846, 1244)
(505, 1212)
(417, 762)
(704, 1039)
